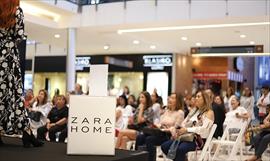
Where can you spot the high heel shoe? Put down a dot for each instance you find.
(29, 139)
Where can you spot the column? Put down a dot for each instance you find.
(71, 56)
(183, 74)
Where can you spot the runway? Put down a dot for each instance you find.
(13, 150)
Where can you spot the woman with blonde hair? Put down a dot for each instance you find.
(13, 116)
(198, 122)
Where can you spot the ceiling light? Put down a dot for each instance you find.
(37, 11)
(229, 54)
(57, 36)
(251, 42)
(243, 36)
(106, 47)
(198, 44)
(136, 42)
(184, 38)
(153, 47)
(30, 42)
(192, 27)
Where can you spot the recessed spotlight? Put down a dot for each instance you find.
(198, 44)
(106, 47)
(251, 42)
(136, 42)
(184, 38)
(243, 36)
(153, 47)
(57, 36)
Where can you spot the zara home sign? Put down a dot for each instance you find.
(91, 120)
(91, 125)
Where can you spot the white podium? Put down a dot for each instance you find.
(91, 120)
(91, 125)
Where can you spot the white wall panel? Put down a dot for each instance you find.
(140, 11)
(111, 13)
(208, 9)
(171, 10)
(247, 7)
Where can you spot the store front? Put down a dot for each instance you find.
(138, 71)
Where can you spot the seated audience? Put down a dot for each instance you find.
(56, 122)
(237, 113)
(40, 110)
(199, 122)
(29, 98)
(156, 107)
(219, 111)
(172, 117)
(123, 113)
(263, 102)
(247, 101)
(261, 140)
(143, 117)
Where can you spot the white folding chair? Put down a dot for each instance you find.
(226, 141)
(204, 154)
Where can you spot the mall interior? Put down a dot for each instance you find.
(164, 47)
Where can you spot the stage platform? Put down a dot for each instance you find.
(13, 150)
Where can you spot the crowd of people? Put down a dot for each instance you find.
(188, 114)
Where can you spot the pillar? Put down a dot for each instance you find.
(71, 56)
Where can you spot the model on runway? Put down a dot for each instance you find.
(13, 116)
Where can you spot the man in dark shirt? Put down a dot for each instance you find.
(56, 121)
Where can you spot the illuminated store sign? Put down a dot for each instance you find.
(118, 62)
(157, 61)
(210, 75)
(82, 62)
(233, 76)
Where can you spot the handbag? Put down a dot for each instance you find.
(35, 115)
(173, 149)
(188, 137)
(154, 132)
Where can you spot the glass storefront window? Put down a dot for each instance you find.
(158, 81)
(116, 82)
(50, 82)
(28, 81)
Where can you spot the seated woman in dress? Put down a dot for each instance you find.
(123, 113)
(40, 110)
(172, 117)
(143, 117)
(198, 121)
(237, 113)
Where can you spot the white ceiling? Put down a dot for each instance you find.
(90, 40)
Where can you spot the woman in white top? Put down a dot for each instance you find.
(156, 107)
(40, 105)
(238, 113)
(198, 121)
(123, 113)
(227, 99)
(263, 102)
(247, 101)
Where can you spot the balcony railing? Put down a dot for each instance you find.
(94, 2)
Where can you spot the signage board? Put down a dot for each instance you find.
(91, 125)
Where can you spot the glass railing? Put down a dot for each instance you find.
(94, 2)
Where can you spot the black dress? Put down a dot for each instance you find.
(219, 112)
(13, 116)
